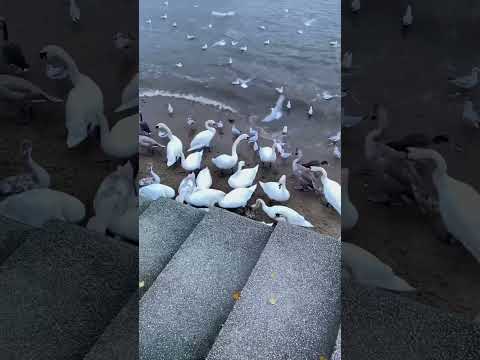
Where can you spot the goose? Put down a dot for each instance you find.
(174, 146)
(113, 197)
(144, 125)
(365, 268)
(170, 109)
(289, 105)
(205, 47)
(36, 177)
(302, 173)
(243, 178)
(407, 18)
(37, 206)
(268, 154)
(310, 111)
(74, 11)
(148, 143)
(470, 115)
(186, 187)
(119, 141)
(84, 107)
(467, 81)
(12, 60)
(205, 197)
(355, 6)
(282, 213)
(244, 48)
(347, 60)
(129, 95)
(331, 189)
(204, 179)
(350, 213)
(192, 162)
(276, 111)
(458, 202)
(237, 198)
(152, 179)
(226, 161)
(205, 137)
(276, 191)
(156, 191)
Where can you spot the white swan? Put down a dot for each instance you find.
(243, 177)
(152, 179)
(17, 89)
(204, 138)
(129, 95)
(331, 189)
(84, 107)
(192, 162)
(204, 179)
(174, 146)
(38, 206)
(268, 154)
(225, 161)
(363, 267)
(350, 213)
(459, 203)
(237, 198)
(205, 197)
(276, 191)
(186, 187)
(120, 141)
(36, 178)
(156, 191)
(282, 213)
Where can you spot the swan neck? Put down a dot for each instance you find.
(72, 68)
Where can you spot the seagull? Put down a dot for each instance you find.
(355, 6)
(219, 124)
(327, 96)
(470, 115)
(235, 131)
(334, 43)
(164, 17)
(205, 47)
(174, 24)
(289, 105)
(310, 111)
(281, 150)
(220, 43)
(210, 26)
(266, 42)
(262, 27)
(286, 10)
(285, 130)
(170, 109)
(276, 113)
(253, 136)
(309, 22)
(244, 48)
(191, 37)
(190, 121)
(165, 3)
(337, 152)
(230, 61)
(179, 64)
(300, 31)
(234, 43)
(467, 81)
(335, 138)
(407, 18)
(149, 21)
(243, 83)
(279, 90)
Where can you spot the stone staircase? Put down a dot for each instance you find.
(193, 264)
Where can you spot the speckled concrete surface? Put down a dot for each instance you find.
(60, 289)
(183, 311)
(12, 235)
(380, 325)
(337, 353)
(163, 228)
(290, 306)
(120, 340)
(143, 204)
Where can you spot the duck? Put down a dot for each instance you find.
(282, 213)
(38, 206)
(148, 143)
(174, 146)
(458, 202)
(192, 162)
(129, 95)
(331, 189)
(156, 191)
(470, 115)
(237, 198)
(144, 127)
(350, 212)
(204, 138)
(407, 18)
(276, 191)
(186, 187)
(363, 267)
(114, 196)
(205, 197)
(154, 178)
(468, 81)
(119, 141)
(268, 154)
(12, 59)
(226, 161)
(204, 179)
(84, 106)
(37, 176)
(243, 177)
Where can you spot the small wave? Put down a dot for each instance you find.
(190, 97)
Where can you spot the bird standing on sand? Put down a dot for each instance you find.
(289, 105)
(244, 48)
(310, 111)
(170, 109)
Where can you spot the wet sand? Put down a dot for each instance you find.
(77, 171)
(154, 110)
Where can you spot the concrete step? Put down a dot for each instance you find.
(12, 234)
(290, 306)
(384, 325)
(163, 228)
(143, 204)
(120, 340)
(60, 289)
(183, 311)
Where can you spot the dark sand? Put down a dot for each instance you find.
(325, 220)
(78, 171)
(410, 77)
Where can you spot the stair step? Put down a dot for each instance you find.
(290, 306)
(120, 340)
(163, 227)
(183, 311)
(12, 234)
(60, 289)
(143, 204)
(384, 325)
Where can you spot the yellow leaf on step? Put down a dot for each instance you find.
(323, 358)
(236, 295)
(141, 284)
(274, 275)
(272, 300)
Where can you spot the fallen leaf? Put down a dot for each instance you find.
(236, 295)
(272, 300)
(323, 358)
(274, 275)
(141, 284)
